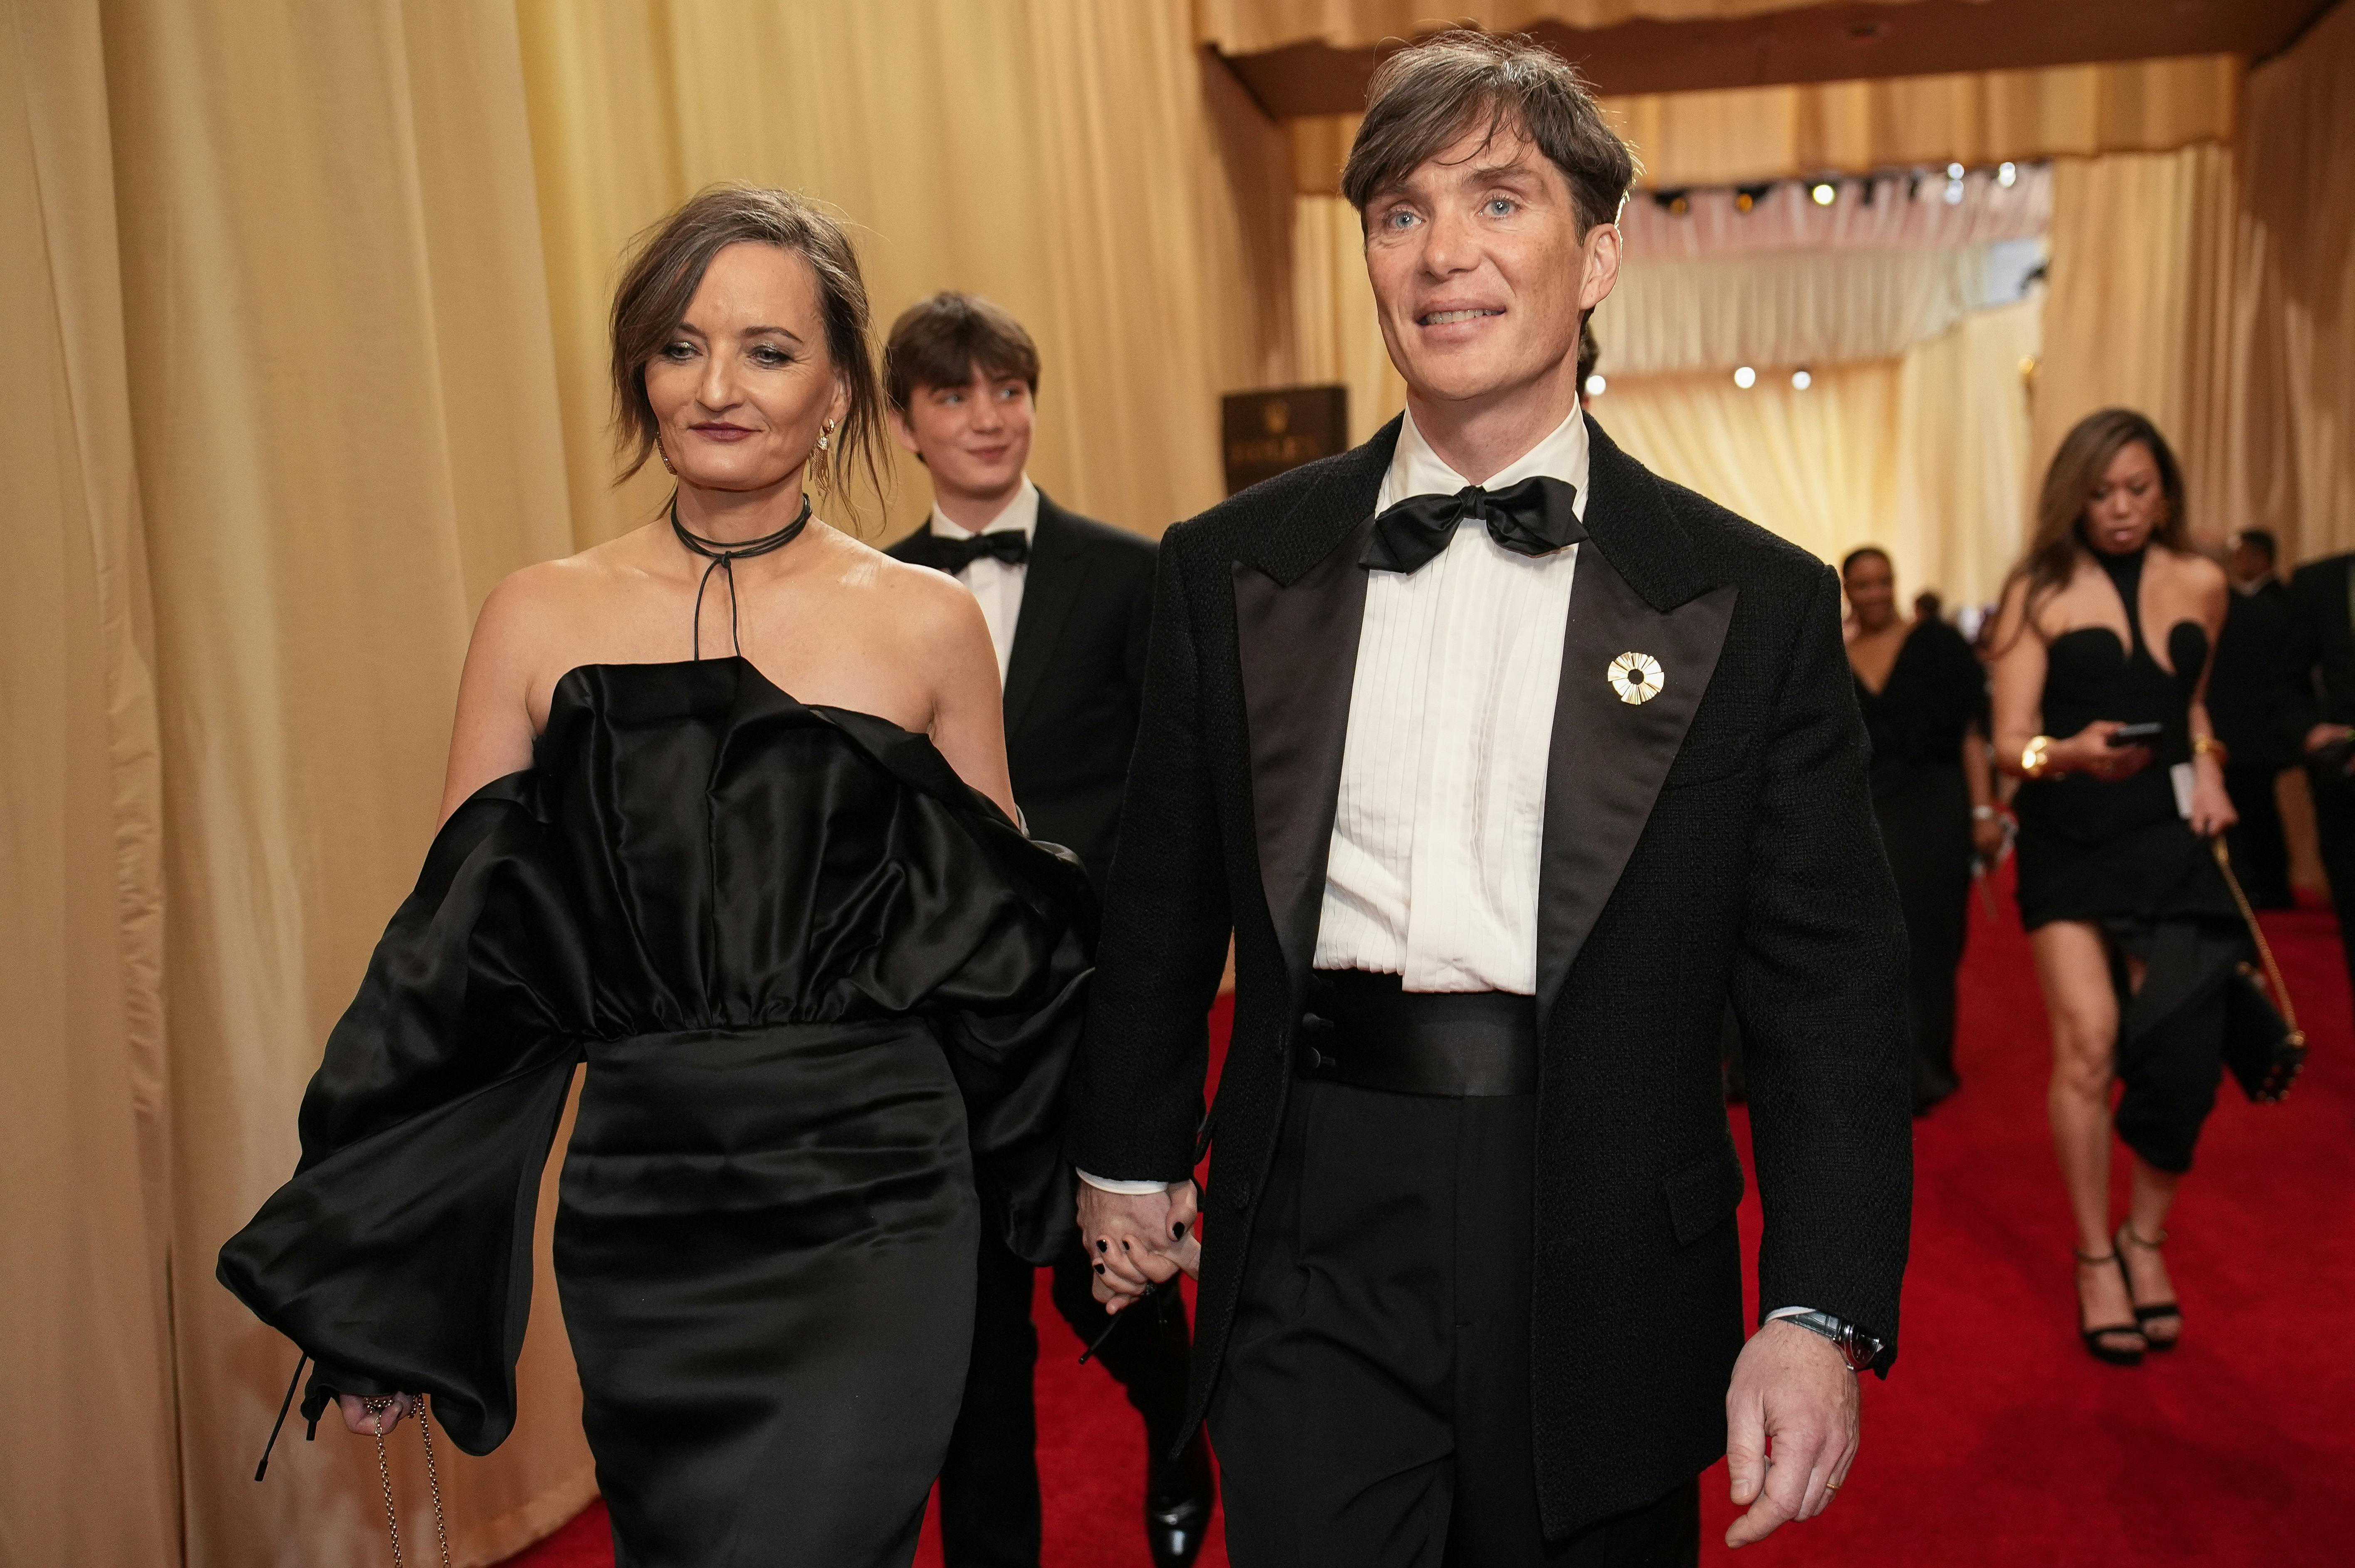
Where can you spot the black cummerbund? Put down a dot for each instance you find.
(1370, 1031)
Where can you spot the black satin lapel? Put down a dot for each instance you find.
(1051, 586)
(1298, 648)
(1609, 756)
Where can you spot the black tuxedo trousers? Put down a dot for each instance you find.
(1712, 842)
(1375, 1406)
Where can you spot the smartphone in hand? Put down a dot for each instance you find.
(2135, 734)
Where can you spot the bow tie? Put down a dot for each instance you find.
(1011, 546)
(1532, 517)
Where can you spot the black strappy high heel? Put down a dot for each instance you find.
(2116, 1355)
(2145, 1315)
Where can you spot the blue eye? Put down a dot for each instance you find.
(1398, 218)
(1501, 206)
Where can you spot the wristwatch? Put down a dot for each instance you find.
(1857, 1348)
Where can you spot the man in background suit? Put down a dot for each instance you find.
(2246, 689)
(2319, 712)
(1069, 602)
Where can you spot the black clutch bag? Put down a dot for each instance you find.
(2263, 1047)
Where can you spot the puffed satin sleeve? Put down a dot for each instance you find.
(1008, 1011)
(400, 1254)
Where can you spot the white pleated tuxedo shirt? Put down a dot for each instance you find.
(997, 585)
(1433, 871)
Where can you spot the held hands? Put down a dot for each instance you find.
(1138, 1241)
(1790, 1418)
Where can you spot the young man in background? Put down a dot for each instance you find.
(1068, 602)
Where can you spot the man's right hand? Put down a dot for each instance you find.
(1136, 1241)
(2324, 735)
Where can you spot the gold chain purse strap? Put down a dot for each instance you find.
(377, 1407)
(2257, 935)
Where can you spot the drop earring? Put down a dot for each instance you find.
(666, 458)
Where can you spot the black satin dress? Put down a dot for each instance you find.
(1936, 690)
(2120, 855)
(827, 995)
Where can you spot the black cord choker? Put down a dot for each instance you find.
(724, 556)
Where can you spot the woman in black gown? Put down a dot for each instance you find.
(1925, 712)
(824, 987)
(2110, 621)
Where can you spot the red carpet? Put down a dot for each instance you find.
(1997, 1441)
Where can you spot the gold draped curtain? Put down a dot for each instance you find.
(310, 309)
(1247, 26)
(1744, 133)
(1923, 453)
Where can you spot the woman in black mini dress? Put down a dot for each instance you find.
(727, 819)
(2110, 622)
(1925, 710)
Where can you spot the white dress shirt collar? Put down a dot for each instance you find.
(1022, 512)
(1417, 470)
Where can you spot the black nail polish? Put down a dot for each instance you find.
(1177, 1231)
(1102, 1245)
(1100, 1268)
(1124, 1247)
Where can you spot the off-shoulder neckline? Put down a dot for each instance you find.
(948, 783)
(557, 691)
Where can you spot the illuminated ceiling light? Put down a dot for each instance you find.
(1595, 384)
(1954, 193)
(1675, 202)
(1747, 196)
(1954, 171)
(1801, 380)
(1825, 193)
(2007, 174)
(1745, 378)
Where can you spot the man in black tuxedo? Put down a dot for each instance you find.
(1506, 762)
(2247, 688)
(2319, 713)
(1069, 602)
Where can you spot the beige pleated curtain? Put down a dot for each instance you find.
(306, 303)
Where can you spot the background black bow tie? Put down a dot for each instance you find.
(1532, 517)
(1011, 546)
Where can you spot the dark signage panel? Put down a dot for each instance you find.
(1264, 433)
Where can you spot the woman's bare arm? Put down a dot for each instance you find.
(2211, 805)
(491, 736)
(968, 721)
(2016, 678)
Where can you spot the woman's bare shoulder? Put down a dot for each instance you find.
(2199, 573)
(560, 587)
(913, 605)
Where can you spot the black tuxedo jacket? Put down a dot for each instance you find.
(1075, 680)
(1716, 840)
(2322, 646)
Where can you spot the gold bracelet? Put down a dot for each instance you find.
(2209, 746)
(2033, 756)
